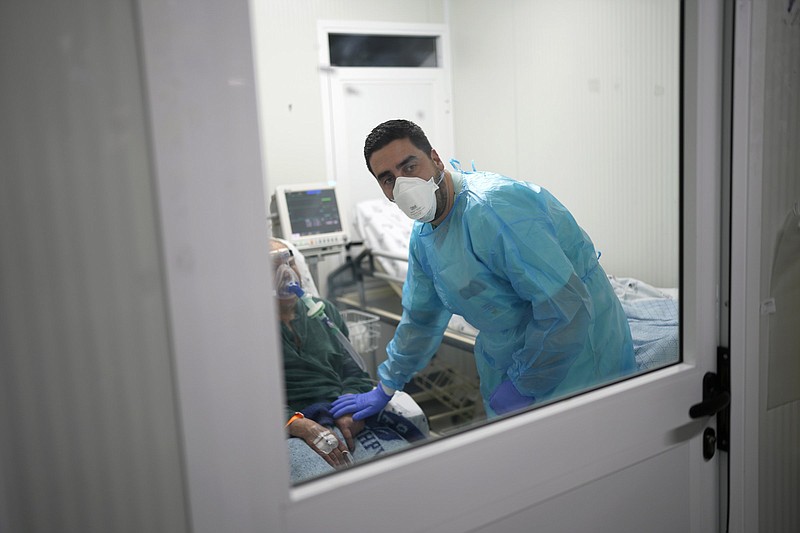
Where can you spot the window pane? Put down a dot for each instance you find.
(584, 102)
(348, 50)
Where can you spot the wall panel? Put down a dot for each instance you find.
(780, 432)
(89, 437)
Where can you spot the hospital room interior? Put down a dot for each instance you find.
(160, 156)
(618, 176)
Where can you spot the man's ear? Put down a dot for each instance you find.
(436, 159)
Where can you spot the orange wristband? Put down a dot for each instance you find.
(296, 416)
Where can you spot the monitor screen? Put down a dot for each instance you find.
(308, 216)
(313, 212)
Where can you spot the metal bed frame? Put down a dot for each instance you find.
(449, 398)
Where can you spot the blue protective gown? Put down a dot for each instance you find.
(515, 264)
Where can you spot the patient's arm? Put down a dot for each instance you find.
(349, 428)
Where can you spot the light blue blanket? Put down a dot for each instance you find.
(385, 432)
(654, 329)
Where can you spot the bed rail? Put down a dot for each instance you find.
(449, 398)
(360, 283)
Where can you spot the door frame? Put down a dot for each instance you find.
(747, 103)
(333, 78)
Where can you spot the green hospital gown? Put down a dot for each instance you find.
(316, 366)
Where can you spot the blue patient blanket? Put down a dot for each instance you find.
(384, 432)
(654, 329)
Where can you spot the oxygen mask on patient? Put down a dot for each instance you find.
(285, 276)
(287, 285)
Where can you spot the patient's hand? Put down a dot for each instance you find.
(309, 431)
(349, 428)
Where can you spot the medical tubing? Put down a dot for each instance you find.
(317, 310)
(345, 342)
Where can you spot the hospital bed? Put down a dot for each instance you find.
(372, 280)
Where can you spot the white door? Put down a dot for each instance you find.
(623, 458)
(356, 99)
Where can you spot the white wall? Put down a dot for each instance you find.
(287, 59)
(765, 469)
(129, 202)
(530, 101)
(89, 433)
(776, 151)
(545, 92)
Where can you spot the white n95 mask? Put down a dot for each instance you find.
(416, 197)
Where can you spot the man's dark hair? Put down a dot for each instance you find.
(392, 130)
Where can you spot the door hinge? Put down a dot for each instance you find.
(716, 401)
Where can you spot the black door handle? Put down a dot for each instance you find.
(714, 399)
(711, 406)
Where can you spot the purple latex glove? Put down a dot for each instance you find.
(507, 398)
(362, 405)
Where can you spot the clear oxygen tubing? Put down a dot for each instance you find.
(317, 310)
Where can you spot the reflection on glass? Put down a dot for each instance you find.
(507, 302)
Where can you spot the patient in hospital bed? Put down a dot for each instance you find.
(317, 370)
